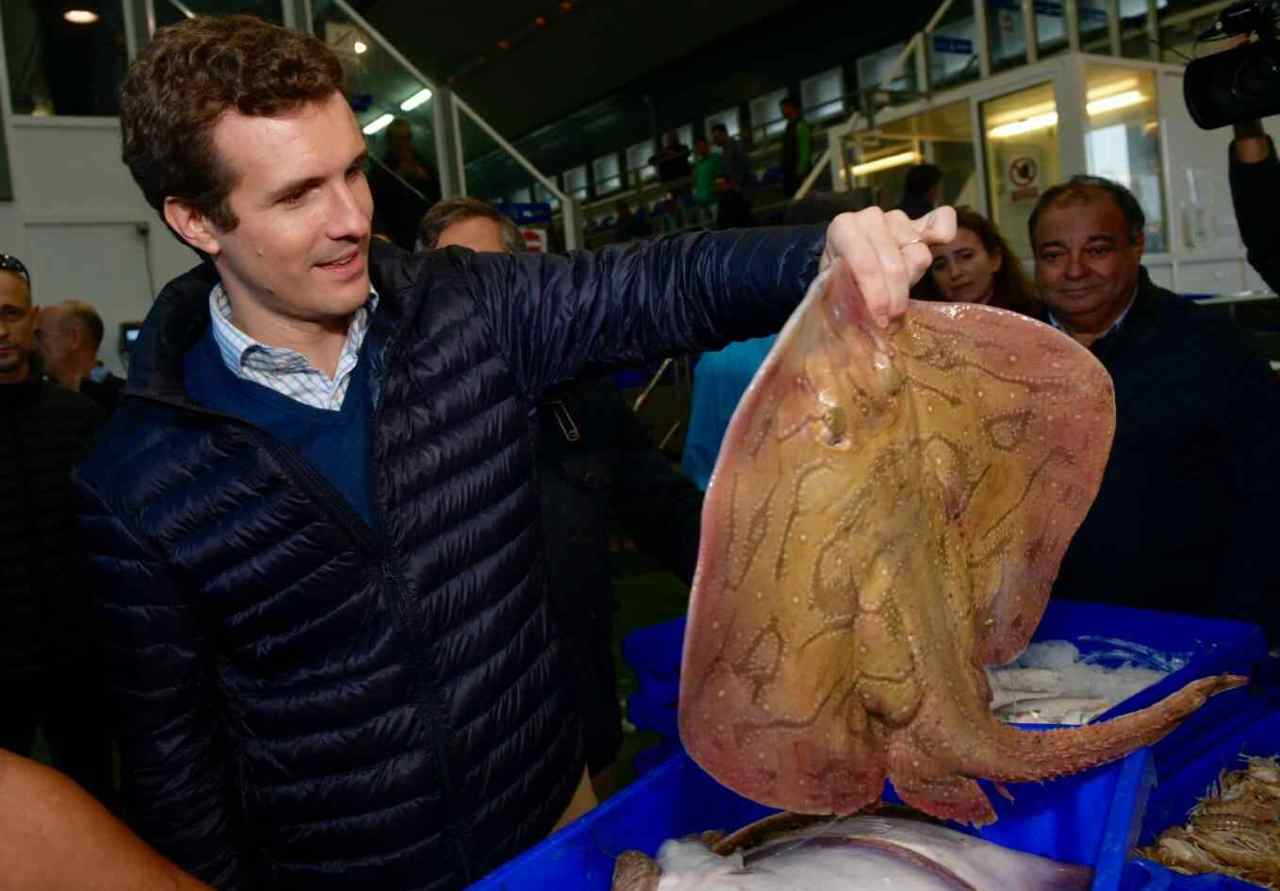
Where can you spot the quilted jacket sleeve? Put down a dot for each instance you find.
(159, 672)
(556, 317)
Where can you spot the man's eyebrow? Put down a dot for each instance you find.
(294, 187)
(1049, 244)
(1110, 239)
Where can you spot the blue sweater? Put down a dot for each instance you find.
(336, 443)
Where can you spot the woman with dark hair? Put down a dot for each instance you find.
(976, 267)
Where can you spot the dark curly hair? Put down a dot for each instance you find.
(1011, 290)
(187, 77)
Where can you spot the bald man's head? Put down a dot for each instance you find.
(68, 336)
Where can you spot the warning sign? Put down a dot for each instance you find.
(1024, 178)
(535, 239)
(1023, 172)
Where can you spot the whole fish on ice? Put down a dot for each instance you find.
(854, 853)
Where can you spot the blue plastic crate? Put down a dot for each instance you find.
(1181, 782)
(1210, 646)
(1089, 819)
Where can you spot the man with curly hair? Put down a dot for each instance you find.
(313, 521)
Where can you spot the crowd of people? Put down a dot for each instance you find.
(339, 549)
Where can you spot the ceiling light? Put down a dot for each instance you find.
(415, 100)
(80, 16)
(1101, 100)
(1125, 84)
(1119, 100)
(1026, 125)
(360, 47)
(377, 124)
(885, 163)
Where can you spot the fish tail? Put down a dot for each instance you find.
(1028, 755)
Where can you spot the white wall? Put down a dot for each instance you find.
(1207, 252)
(81, 224)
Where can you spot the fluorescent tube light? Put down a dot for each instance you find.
(377, 124)
(415, 100)
(1026, 125)
(1119, 100)
(885, 163)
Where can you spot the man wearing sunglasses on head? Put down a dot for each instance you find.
(46, 668)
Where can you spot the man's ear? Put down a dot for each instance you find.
(192, 226)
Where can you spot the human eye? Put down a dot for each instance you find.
(1098, 251)
(1052, 256)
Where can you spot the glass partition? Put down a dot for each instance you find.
(1095, 35)
(64, 60)
(942, 135)
(953, 54)
(1020, 138)
(766, 117)
(1122, 139)
(169, 12)
(394, 110)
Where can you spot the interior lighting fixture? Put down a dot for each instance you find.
(415, 100)
(378, 124)
(1110, 97)
(80, 16)
(885, 163)
(1118, 100)
(1026, 125)
(360, 47)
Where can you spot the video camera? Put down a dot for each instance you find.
(1242, 83)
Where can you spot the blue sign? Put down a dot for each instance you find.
(1048, 8)
(526, 213)
(958, 45)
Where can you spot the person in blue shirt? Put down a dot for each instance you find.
(719, 380)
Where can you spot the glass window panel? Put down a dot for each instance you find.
(1122, 140)
(57, 67)
(1020, 136)
(521, 196)
(954, 55)
(943, 135)
(823, 95)
(638, 167)
(575, 182)
(874, 69)
(169, 12)
(729, 117)
(607, 173)
(1094, 34)
(766, 116)
(542, 193)
(685, 135)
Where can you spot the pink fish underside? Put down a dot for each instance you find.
(887, 514)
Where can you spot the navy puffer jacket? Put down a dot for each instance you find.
(308, 702)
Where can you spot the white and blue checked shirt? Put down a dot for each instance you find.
(287, 371)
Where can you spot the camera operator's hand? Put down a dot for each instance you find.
(1250, 145)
